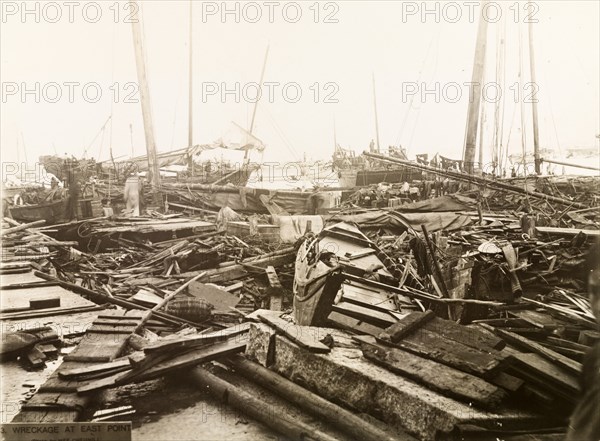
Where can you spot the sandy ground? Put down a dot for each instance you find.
(173, 408)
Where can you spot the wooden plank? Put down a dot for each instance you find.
(565, 362)
(36, 358)
(408, 324)
(550, 377)
(566, 231)
(438, 377)
(147, 371)
(354, 325)
(506, 381)
(61, 392)
(367, 296)
(567, 344)
(196, 340)
(220, 299)
(301, 335)
(102, 367)
(372, 316)
(192, 358)
(471, 337)
(430, 345)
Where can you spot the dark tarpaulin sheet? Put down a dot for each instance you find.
(248, 200)
(402, 221)
(452, 202)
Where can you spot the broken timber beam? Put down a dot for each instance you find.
(241, 399)
(101, 298)
(313, 403)
(22, 227)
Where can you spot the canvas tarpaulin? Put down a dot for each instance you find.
(452, 202)
(395, 220)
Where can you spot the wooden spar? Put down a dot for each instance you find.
(191, 88)
(568, 164)
(376, 119)
(165, 301)
(21, 227)
(239, 397)
(489, 183)
(98, 297)
(536, 140)
(145, 96)
(475, 92)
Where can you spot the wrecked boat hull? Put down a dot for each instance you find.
(52, 212)
(329, 273)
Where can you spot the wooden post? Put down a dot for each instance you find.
(475, 92)
(436, 265)
(376, 119)
(145, 99)
(536, 140)
(276, 291)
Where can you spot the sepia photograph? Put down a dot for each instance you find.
(300, 220)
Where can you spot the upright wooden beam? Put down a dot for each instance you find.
(536, 140)
(144, 95)
(475, 93)
(376, 119)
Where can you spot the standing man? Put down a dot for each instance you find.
(131, 195)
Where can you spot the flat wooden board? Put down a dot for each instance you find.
(430, 345)
(353, 324)
(306, 336)
(438, 377)
(222, 300)
(365, 314)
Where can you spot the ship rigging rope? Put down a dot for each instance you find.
(412, 97)
(550, 105)
(96, 136)
(288, 144)
(433, 73)
(176, 104)
(435, 39)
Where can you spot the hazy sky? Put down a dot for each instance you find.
(350, 42)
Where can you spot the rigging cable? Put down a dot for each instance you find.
(410, 104)
(550, 108)
(282, 135)
(433, 73)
